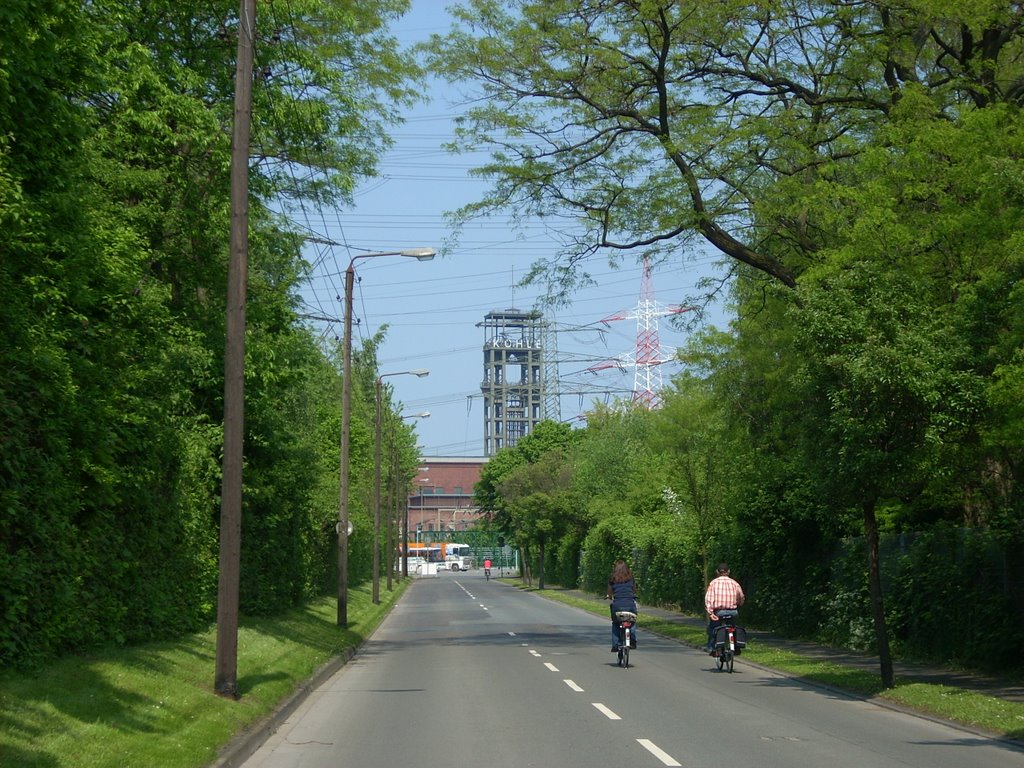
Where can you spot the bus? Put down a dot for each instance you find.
(446, 555)
(457, 557)
(419, 555)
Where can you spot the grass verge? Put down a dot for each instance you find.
(154, 705)
(997, 716)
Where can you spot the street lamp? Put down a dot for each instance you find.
(420, 254)
(419, 372)
(392, 523)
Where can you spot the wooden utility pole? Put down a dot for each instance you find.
(392, 505)
(346, 411)
(378, 428)
(226, 680)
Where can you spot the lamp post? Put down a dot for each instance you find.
(395, 518)
(419, 372)
(421, 254)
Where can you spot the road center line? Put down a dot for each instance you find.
(605, 711)
(659, 753)
(550, 666)
(573, 685)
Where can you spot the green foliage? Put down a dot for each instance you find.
(954, 577)
(114, 155)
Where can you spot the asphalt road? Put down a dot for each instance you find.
(468, 672)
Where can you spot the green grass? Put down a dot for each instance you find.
(154, 705)
(997, 716)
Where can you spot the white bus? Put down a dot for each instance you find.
(457, 557)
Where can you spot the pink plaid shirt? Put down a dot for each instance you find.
(723, 592)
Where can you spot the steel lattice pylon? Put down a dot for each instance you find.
(648, 357)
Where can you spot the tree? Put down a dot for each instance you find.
(692, 433)
(886, 378)
(524, 524)
(646, 125)
(539, 501)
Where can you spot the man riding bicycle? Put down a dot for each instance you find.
(723, 594)
(487, 568)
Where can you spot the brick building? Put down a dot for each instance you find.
(441, 503)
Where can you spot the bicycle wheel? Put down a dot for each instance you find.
(625, 656)
(721, 660)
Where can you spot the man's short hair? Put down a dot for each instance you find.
(723, 568)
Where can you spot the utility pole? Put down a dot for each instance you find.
(346, 410)
(226, 679)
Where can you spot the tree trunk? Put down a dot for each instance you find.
(875, 588)
(540, 565)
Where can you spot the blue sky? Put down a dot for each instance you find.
(432, 308)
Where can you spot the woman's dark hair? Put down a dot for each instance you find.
(621, 572)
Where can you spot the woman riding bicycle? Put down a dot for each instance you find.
(622, 593)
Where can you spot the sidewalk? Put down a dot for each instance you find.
(920, 673)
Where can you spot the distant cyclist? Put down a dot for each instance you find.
(622, 593)
(487, 568)
(724, 593)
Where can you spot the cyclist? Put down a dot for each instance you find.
(487, 568)
(724, 593)
(622, 593)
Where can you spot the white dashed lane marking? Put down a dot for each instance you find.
(659, 753)
(605, 711)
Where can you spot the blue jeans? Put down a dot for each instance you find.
(714, 624)
(615, 622)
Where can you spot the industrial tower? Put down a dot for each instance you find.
(516, 370)
(647, 359)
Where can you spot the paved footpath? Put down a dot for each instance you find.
(920, 673)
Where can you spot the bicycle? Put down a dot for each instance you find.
(487, 574)
(730, 640)
(627, 620)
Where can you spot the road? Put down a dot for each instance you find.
(472, 672)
